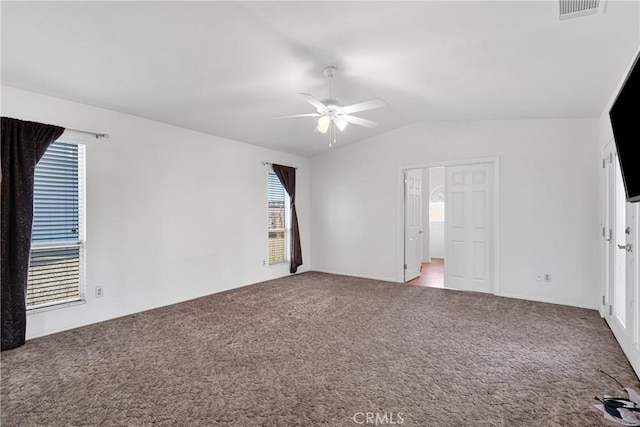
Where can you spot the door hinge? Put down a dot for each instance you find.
(610, 311)
(603, 163)
(602, 299)
(405, 266)
(604, 233)
(610, 157)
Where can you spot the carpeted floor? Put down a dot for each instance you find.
(321, 350)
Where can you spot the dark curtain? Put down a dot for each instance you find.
(287, 176)
(23, 144)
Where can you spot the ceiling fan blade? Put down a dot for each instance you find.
(313, 101)
(297, 115)
(363, 106)
(359, 121)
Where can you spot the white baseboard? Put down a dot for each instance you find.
(546, 300)
(506, 295)
(361, 276)
(630, 351)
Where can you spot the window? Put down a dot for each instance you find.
(278, 200)
(57, 242)
(436, 205)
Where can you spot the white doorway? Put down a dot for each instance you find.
(413, 224)
(463, 244)
(436, 214)
(618, 219)
(621, 291)
(425, 212)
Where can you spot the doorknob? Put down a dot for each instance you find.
(626, 247)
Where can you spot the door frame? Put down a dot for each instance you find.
(400, 213)
(611, 252)
(628, 337)
(405, 180)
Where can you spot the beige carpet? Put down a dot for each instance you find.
(318, 350)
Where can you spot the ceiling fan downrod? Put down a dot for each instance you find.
(329, 73)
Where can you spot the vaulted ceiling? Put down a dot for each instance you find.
(225, 68)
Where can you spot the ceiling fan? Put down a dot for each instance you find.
(332, 114)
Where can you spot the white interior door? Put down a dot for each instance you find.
(413, 224)
(469, 192)
(633, 273)
(632, 283)
(618, 293)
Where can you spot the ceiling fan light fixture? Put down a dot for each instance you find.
(323, 124)
(331, 111)
(341, 124)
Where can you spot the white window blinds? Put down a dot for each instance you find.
(56, 210)
(278, 231)
(54, 276)
(55, 267)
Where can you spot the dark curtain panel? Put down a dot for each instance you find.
(23, 144)
(287, 177)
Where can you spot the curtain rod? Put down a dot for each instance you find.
(269, 163)
(97, 135)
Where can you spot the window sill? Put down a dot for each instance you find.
(56, 306)
(278, 263)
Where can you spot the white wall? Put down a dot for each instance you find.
(172, 214)
(549, 209)
(436, 179)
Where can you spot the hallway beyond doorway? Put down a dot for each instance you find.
(431, 275)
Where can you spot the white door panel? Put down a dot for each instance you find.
(468, 227)
(618, 240)
(413, 223)
(619, 261)
(479, 260)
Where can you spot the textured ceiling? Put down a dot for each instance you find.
(225, 68)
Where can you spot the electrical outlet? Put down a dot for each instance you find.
(264, 262)
(99, 291)
(547, 277)
(538, 277)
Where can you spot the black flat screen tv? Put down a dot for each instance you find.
(625, 121)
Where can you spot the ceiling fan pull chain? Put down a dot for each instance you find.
(332, 134)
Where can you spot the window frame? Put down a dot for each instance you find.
(287, 224)
(79, 243)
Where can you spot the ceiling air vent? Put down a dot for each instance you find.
(569, 9)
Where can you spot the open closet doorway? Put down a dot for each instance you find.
(432, 225)
(450, 225)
